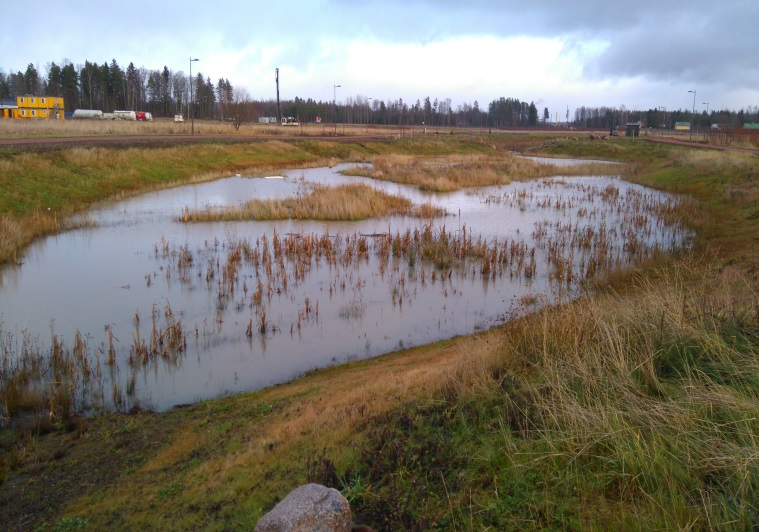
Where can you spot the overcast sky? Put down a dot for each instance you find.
(557, 53)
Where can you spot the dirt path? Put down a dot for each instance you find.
(690, 144)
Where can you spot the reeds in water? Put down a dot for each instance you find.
(341, 203)
(601, 229)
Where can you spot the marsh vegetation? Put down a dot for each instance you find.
(319, 202)
(253, 310)
(454, 172)
(631, 403)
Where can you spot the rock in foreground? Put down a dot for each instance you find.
(313, 508)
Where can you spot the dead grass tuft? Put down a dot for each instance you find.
(446, 174)
(167, 127)
(346, 202)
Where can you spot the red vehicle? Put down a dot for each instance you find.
(143, 116)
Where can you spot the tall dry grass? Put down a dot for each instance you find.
(645, 401)
(167, 127)
(446, 174)
(345, 202)
(720, 162)
(17, 232)
(742, 190)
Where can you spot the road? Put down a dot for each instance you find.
(690, 144)
(157, 140)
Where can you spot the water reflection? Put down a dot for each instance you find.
(174, 313)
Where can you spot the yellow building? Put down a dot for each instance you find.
(7, 107)
(33, 107)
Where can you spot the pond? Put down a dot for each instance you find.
(158, 313)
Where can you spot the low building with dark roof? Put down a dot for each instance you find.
(632, 129)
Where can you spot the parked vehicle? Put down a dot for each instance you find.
(125, 115)
(290, 121)
(88, 113)
(142, 116)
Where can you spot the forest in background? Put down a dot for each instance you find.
(165, 93)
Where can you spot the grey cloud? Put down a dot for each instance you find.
(665, 42)
(694, 41)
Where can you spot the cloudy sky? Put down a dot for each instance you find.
(558, 53)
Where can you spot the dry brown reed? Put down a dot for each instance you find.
(345, 202)
(46, 387)
(574, 250)
(611, 231)
(16, 231)
(167, 127)
(446, 174)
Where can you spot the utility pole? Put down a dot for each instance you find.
(692, 115)
(334, 105)
(279, 110)
(189, 110)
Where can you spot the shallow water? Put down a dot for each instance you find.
(99, 280)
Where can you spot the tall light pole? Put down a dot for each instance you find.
(707, 117)
(663, 119)
(368, 109)
(334, 106)
(692, 115)
(189, 110)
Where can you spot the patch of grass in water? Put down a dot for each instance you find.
(345, 202)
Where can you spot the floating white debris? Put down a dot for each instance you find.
(274, 177)
(237, 175)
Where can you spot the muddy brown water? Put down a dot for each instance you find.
(112, 282)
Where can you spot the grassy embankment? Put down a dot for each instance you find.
(635, 408)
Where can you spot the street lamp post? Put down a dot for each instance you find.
(692, 115)
(189, 104)
(334, 106)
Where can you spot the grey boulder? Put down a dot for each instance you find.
(313, 508)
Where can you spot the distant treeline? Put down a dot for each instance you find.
(602, 117)
(164, 93)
